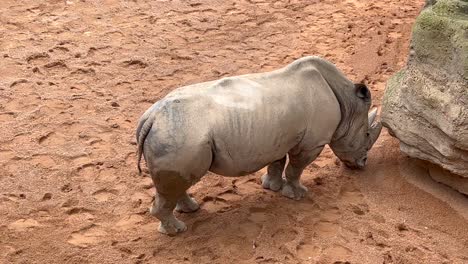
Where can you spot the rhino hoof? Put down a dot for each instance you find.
(171, 228)
(272, 183)
(294, 191)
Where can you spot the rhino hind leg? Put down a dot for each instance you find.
(292, 188)
(162, 209)
(273, 180)
(171, 187)
(186, 204)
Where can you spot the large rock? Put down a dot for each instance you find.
(426, 104)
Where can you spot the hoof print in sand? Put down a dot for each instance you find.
(129, 222)
(215, 204)
(88, 236)
(24, 225)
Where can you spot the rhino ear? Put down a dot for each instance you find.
(362, 91)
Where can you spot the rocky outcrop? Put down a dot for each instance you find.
(426, 104)
(458, 183)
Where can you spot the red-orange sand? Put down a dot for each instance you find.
(76, 75)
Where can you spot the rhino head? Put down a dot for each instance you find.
(358, 130)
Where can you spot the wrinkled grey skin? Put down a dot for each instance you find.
(238, 125)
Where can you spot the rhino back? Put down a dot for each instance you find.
(250, 120)
(257, 119)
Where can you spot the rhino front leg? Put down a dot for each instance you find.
(293, 188)
(273, 180)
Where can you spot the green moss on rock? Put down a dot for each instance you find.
(440, 37)
(451, 7)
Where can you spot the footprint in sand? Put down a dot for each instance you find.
(129, 222)
(134, 64)
(130, 159)
(203, 255)
(88, 236)
(149, 228)
(6, 250)
(84, 71)
(44, 161)
(22, 139)
(103, 195)
(360, 209)
(80, 218)
(18, 82)
(83, 161)
(87, 172)
(52, 139)
(6, 155)
(308, 252)
(245, 230)
(351, 194)
(59, 49)
(70, 202)
(37, 57)
(24, 225)
(56, 67)
(338, 254)
(331, 215)
(93, 50)
(214, 204)
(78, 210)
(220, 203)
(249, 229)
(326, 229)
(355, 3)
(378, 218)
(107, 175)
(27, 100)
(204, 226)
(257, 214)
(240, 240)
(284, 235)
(7, 117)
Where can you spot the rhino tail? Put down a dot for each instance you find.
(144, 127)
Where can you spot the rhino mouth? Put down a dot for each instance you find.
(353, 166)
(359, 165)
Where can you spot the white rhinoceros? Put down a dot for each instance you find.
(237, 125)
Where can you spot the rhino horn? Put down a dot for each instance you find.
(374, 128)
(371, 116)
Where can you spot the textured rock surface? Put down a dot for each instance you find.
(426, 104)
(457, 182)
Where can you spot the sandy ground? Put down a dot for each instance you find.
(75, 76)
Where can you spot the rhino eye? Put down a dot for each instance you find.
(367, 134)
